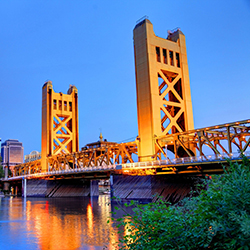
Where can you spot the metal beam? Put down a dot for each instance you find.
(209, 143)
(184, 146)
(245, 147)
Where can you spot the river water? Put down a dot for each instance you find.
(56, 223)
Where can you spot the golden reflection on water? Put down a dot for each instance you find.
(90, 219)
(65, 224)
(128, 226)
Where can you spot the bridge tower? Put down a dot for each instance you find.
(59, 122)
(163, 91)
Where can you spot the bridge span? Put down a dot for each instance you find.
(145, 181)
(215, 143)
(77, 174)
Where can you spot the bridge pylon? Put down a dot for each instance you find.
(59, 122)
(164, 103)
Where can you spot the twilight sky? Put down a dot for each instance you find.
(90, 44)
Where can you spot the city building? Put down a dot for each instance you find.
(101, 143)
(11, 153)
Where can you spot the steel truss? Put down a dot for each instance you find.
(90, 157)
(28, 168)
(87, 158)
(221, 139)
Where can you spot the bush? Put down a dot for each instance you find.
(218, 218)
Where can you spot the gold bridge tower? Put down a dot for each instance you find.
(163, 91)
(59, 122)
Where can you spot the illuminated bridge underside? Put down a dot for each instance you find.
(222, 140)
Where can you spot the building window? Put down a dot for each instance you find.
(164, 52)
(178, 60)
(70, 106)
(54, 103)
(171, 57)
(158, 55)
(65, 106)
(60, 105)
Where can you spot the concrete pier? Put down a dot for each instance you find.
(61, 188)
(151, 188)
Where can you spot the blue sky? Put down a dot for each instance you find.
(90, 44)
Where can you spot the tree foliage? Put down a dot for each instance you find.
(218, 218)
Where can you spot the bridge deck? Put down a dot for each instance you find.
(188, 165)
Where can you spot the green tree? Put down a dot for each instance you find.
(218, 218)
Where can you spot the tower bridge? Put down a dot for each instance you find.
(141, 168)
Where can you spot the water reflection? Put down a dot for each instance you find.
(56, 223)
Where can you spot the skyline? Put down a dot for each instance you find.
(100, 63)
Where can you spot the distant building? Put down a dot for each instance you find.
(11, 153)
(33, 156)
(99, 144)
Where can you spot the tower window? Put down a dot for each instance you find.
(60, 105)
(54, 103)
(65, 106)
(158, 55)
(164, 52)
(171, 57)
(178, 60)
(70, 106)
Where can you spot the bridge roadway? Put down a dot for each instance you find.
(195, 165)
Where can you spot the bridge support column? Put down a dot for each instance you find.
(24, 187)
(6, 186)
(151, 188)
(15, 190)
(6, 170)
(94, 188)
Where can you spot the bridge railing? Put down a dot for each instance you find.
(66, 171)
(184, 160)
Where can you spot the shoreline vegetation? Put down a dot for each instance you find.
(217, 217)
